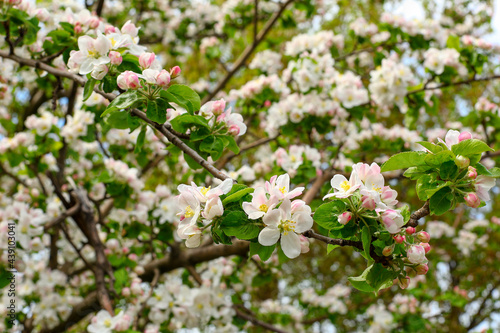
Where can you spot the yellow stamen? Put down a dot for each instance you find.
(263, 208)
(345, 185)
(282, 190)
(189, 212)
(286, 226)
(204, 190)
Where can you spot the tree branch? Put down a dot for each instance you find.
(417, 215)
(341, 242)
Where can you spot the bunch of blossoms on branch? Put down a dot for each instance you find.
(363, 201)
(283, 219)
(199, 206)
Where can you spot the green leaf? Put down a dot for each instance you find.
(237, 196)
(404, 160)
(437, 159)
(264, 252)
(118, 120)
(470, 147)
(212, 145)
(416, 172)
(186, 121)
(220, 237)
(359, 282)
(156, 111)
(183, 96)
(140, 140)
(424, 183)
(366, 238)
(4, 277)
(262, 279)
(453, 42)
(380, 277)
(405, 212)
(331, 247)
(230, 143)
(440, 202)
(133, 122)
(89, 88)
(122, 101)
(237, 224)
(433, 148)
(448, 170)
(481, 170)
(326, 215)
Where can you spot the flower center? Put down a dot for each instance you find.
(263, 208)
(204, 190)
(107, 323)
(286, 226)
(345, 185)
(189, 212)
(282, 190)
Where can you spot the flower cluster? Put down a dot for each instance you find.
(284, 219)
(199, 206)
(292, 159)
(436, 60)
(220, 117)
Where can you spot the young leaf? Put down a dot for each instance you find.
(89, 88)
(366, 238)
(404, 160)
(440, 202)
(433, 148)
(140, 140)
(470, 147)
(326, 216)
(264, 252)
(156, 112)
(183, 96)
(237, 196)
(123, 101)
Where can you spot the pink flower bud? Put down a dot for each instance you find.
(112, 244)
(133, 256)
(234, 130)
(175, 71)
(93, 22)
(128, 80)
(125, 250)
(416, 254)
(422, 269)
(472, 173)
(109, 29)
(218, 106)
(42, 14)
(115, 58)
(126, 292)
(426, 247)
(410, 231)
(404, 282)
(368, 202)
(78, 28)
(304, 244)
(267, 103)
(464, 136)
(139, 270)
(462, 162)
(163, 79)
(345, 217)
(392, 220)
(472, 200)
(388, 250)
(399, 239)
(146, 59)
(423, 236)
(130, 29)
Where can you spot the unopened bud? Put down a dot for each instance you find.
(462, 162)
(411, 272)
(472, 173)
(175, 71)
(388, 250)
(472, 200)
(410, 231)
(423, 236)
(368, 202)
(464, 136)
(426, 247)
(399, 239)
(422, 269)
(345, 217)
(404, 282)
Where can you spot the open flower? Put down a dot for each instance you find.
(280, 187)
(482, 185)
(345, 188)
(260, 204)
(93, 52)
(203, 194)
(281, 222)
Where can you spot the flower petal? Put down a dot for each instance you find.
(290, 244)
(269, 236)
